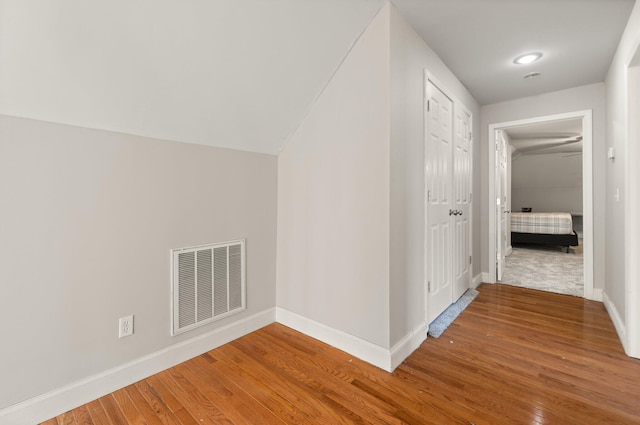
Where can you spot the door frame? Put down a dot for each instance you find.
(632, 206)
(587, 192)
(429, 77)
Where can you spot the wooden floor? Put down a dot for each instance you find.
(514, 356)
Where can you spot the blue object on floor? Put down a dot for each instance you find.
(442, 322)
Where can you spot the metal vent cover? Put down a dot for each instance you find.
(208, 283)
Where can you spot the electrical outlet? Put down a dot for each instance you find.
(125, 326)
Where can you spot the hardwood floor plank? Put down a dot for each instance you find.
(112, 409)
(146, 410)
(230, 399)
(128, 408)
(514, 356)
(98, 415)
(154, 399)
(330, 384)
(66, 419)
(334, 407)
(189, 396)
(82, 416)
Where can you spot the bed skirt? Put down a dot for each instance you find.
(545, 239)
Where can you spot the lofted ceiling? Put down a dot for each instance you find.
(479, 39)
(240, 74)
(243, 74)
(551, 137)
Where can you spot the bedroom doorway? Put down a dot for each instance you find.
(564, 135)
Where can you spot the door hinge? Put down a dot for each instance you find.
(428, 105)
(470, 136)
(470, 197)
(429, 195)
(470, 262)
(429, 287)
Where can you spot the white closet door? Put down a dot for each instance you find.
(439, 203)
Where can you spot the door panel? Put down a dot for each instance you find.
(439, 203)
(462, 205)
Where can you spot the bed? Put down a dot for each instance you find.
(543, 228)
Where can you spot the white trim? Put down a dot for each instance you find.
(486, 278)
(618, 323)
(50, 404)
(408, 345)
(597, 294)
(358, 347)
(631, 208)
(587, 191)
(477, 280)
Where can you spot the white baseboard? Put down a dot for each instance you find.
(360, 348)
(485, 277)
(477, 280)
(408, 345)
(618, 323)
(48, 405)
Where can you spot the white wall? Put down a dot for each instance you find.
(547, 183)
(351, 181)
(88, 218)
(333, 199)
(410, 55)
(622, 292)
(575, 99)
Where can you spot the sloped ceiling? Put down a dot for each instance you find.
(229, 73)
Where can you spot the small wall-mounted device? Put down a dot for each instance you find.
(611, 153)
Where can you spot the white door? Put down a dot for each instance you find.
(501, 202)
(462, 202)
(439, 205)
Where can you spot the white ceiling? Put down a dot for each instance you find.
(478, 40)
(243, 73)
(231, 73)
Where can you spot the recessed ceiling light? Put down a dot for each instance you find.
(531, 75)
(528, 58)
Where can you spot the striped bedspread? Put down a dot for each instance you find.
(547, 223)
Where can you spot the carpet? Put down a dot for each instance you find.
(546, 268)
(442, 322)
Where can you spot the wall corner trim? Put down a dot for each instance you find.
(360, 348)
(618, 323)
(477, 280)
(48, 405)
(407, 345)
(597, 294)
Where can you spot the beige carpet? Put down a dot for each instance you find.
(546, 268)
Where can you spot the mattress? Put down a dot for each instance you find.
(553, 223)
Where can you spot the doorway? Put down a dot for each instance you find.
(497, 226)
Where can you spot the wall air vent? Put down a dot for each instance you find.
(208, 283)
